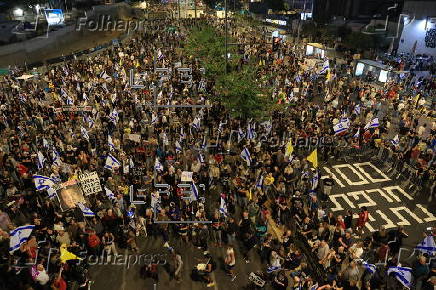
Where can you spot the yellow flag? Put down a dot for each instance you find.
(65, 255)
(289, 148)
(313, 157)
(416, 99)
(249, 195)
(328, 75)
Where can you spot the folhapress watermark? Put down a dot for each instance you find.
(108, 23)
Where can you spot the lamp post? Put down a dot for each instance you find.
(225, 31)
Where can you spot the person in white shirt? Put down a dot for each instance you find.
(41, 276)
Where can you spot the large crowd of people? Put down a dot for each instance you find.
(82, 116)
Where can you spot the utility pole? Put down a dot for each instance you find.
(195, 9)
(225, 30)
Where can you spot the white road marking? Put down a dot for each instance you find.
(359, 166)
(356, 194)
(338, 206)
(362, 180)
(430, 217)
(404, 221)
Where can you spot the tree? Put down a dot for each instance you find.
(237, 89)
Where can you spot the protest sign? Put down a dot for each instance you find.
(90, 183)
(69, 196)
(186, 176)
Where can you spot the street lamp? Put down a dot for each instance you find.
(18, 12)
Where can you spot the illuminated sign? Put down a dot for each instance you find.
(276, 21)
(54, 17)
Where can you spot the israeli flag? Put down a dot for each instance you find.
(153, 118)
(196, 123)
(44, 143)
(315, 180)
(427, 246)
(41, 160)
(272, 269)
(373, 124)
(84, 133)
(340, 127)
(223, 207)
(22, 98)
(403, 274)
(200, 158)
(89, 121)
(259, 183)
(194, 192)
(109, 193)
(325, 66)
(56, 157)
(395, 141)
(111, 163)
(42, 182)
(69, 101)
(110, 143)
(357, 134)
(268, 126)
(178, 147)
(357, 109)
(371, 268)
(51, 192)
(131, 163)
(113, 117)
(157, 165)
(245, 154)
(314, 287)
(105, 76)
(241, 135)
(160, 55)
(250, 132)
(85, 210)
(182, 134)
(19, 236)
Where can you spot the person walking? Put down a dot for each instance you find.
(230, 262)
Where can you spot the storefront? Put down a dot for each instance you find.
(372, 70)
(317, 50)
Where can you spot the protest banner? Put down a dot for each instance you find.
(186, 176)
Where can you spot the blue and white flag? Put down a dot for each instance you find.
(250, 132)
(22, 98)
(267, 125)
(42, 182)
(85, 210)
(194, 192)
(153, 118)
(157, 165)
(314, 287)
(44, 143)
(110, 143)
(113, 117)
(223, 207)
(357, 135)
(403, 274)
(241, 135)
(41, 160)
(271, 269)
(245, 154)
(69, 101)
(369, 267)
(315, 180)
(90, 121)
(325, 66)
(178, 147)
(109, 193)
(342, 126)
(56, 157)
(84, 133)
(200, 158)
(427, 246)
(395, 141)
(357, 109)
(182, 133)
(373, 124)
(19, 236)
(111, 163)
(160, 55)
(105, 76)
(196, 123)
(259, 183)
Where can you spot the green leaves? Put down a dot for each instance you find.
(238, 90)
